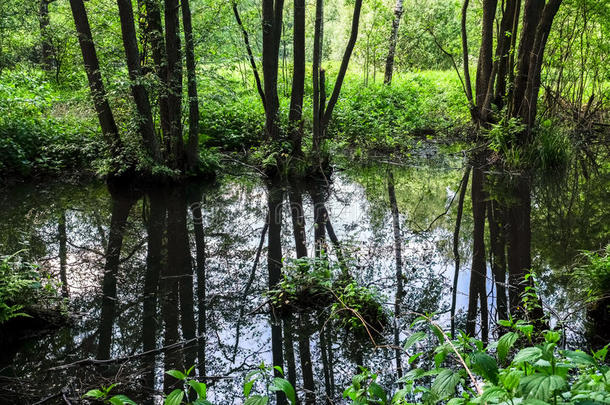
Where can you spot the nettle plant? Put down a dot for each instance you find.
(464, 371)
(194, 392)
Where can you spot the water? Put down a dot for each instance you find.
(145, 269)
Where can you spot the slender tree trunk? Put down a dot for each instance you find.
(195, 204)
(121, 205)
(399, 278)
(498, 262)
(316, 68)
(246, 37)
(154, 265)
(154, 32)
(45, 35)
(94, 76)
(174, 81)
(306, 364)
(298, 78)
(389, 62)
(272, 30)
(138, 91)
(192, 151)
(479, 269)
(63, 253)
(456, 245)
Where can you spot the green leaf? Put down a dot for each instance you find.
(378, 392)
(529, 354)
(121, 400)
(94, 394)
(505, 343)
(485, 366)
(414, 338)
(174, 398)
(280, 384)
(493, 394)
(580, 358)
(257, 400)
(444, 384)
(248, 387)
(176, 374)
(199, 387)
(541, 386)
(414, 357)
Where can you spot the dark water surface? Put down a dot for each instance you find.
(175, 272)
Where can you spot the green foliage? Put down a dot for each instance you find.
(21, 285)
(36, 134)
(388, 117)
(468, 373)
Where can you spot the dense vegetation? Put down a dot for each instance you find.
(150, 92)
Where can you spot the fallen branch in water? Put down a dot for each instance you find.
(127, 358)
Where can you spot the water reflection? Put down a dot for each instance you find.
(169, 278)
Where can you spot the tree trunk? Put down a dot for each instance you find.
(389, 62)
(498, 255)
(63, 253)
(399, 278)
(298, 78)
(154, 32)
(174, 82)
(456, 245)
(272, 30)
(46, 43)
(138, 91)
(192, 151)
(94, 76)
(195, 204)
(121, 205)
(478, 272)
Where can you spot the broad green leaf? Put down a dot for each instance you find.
(541, 386)
(121, 400)
(280, 384)
(414, 338)
(505, 343)
(580, 357)
(444, 384)
(493, 394)
(174, 398)
(257, 400)
(94, 394)
(248, 387)
(176, 374)
(485, 366)
(199, 387)
(551, 336)
(378, 392)
(529, 354)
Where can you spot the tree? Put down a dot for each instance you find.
(167, 60)
(510, 87)
(389, 63)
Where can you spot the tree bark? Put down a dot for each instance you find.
(272, 30)
(498, 254)
(138, 91)
(174, 82)
(94, 76)
(389, 62)
(192, 151)
(298, 78)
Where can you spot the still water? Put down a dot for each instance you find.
(181, 274)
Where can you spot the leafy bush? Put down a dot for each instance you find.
(466, 372)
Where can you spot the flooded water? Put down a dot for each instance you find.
(169, 278)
